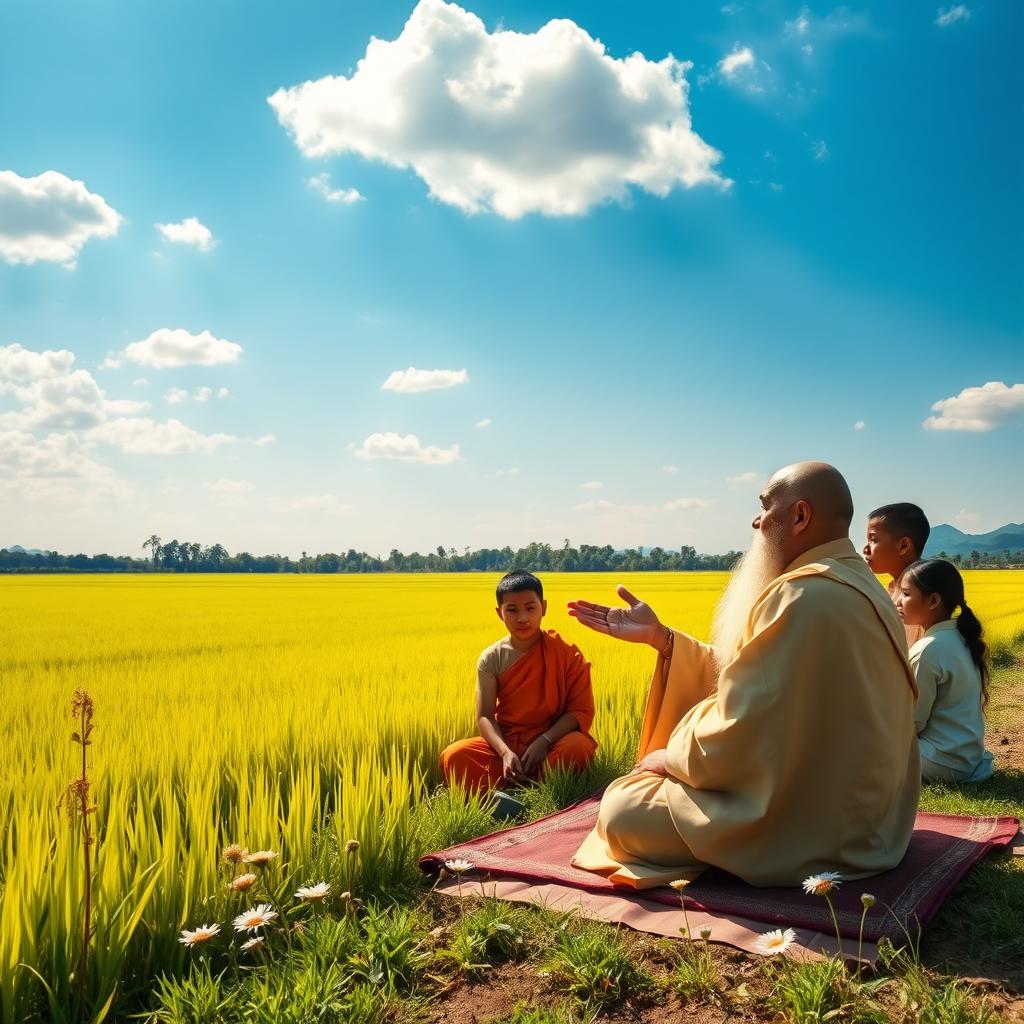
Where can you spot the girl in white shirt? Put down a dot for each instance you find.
(951, 666)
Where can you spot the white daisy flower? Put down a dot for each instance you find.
(261, 858)
(775, 942)
(313, 893)
(459, 867)
(254, 918)
(822, 884)
(202, 934)
(254, 942)
(243, 883)
(679, 884)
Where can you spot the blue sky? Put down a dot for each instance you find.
(659, 292)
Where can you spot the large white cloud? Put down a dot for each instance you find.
(22, 364)
(169, 347)
(406, 448)
(507, 121)
(50, 217)
(191, 231)
(979, 410)
(413, 380)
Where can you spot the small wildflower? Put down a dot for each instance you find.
(298, 928)
(346, 897)
(823, 884)
(202, 934)
(679, 884)
(867, 900)
(313, 893)
(261, 858)
(255, 918)
(459, 867)
(774, 942)
(705, 934)
(253, 943)
(233, 854)
(243, 883)
(352, 846)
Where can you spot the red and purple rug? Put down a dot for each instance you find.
(943, 849)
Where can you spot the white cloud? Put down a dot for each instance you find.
(50, 217)
(139, 382)
(406, 448)
(189, 232)
(175, 396)
(169, 347)
(22, 364)
(511, 471)
(329, 504)
(143, 436)
(978, 410)
(56, 455)
(202, 394)
(591, 485)
(511, 122)
(229, 487)
(346, 196)
(801, 24)
(819, 149)
(412, 380)
(951, 15)
(859, 425)
(969, 522)
(223, 392)
(686, 504)
(740, 58)
(670, 470)
(484, 423)
(750, 477)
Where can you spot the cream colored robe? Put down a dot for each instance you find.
(803, 758)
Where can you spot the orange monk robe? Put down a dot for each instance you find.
(550, 679)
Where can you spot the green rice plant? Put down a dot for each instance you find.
(491, 934)
(695, 976)
(201, 997)
(594, 965)
(387, 954)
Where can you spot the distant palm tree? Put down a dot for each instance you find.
(155, 543)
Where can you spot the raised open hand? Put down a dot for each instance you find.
(638, 624)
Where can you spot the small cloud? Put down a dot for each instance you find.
(346, 196)
(951, 15)
(686, 504)
(775, 186)
(112, 362)
(411, 381)
(406, 448)
(484, 423)
(859, 425)
(670, 470)
(750, 477)
(263, 439)
(591, 485)
(800, 25)
(189, 232)
(224, 486)
(819, 150)
(978, 410)
(223, 392)
(967, 521)
(175, 396)
(143, 436)
(139, 382)
(512, 471)
(167, 347)
(740, 58)
(202, 394)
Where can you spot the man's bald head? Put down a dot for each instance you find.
(806, 504)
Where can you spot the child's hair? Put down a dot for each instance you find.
(937, 576)
(905, 520)
(517, 580)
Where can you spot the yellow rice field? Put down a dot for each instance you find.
(247, 707)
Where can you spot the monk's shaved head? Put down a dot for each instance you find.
(822, 486)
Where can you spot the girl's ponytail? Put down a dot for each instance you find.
(970, 629)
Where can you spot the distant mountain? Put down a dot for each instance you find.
(19, 550)
(955, 542)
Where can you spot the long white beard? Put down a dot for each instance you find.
(761, 564)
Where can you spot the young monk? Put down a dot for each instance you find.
(896, 538)
(534, 704)
(950, 663)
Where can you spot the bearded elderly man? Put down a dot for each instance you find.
(787, 747)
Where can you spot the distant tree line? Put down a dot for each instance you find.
(188, 556)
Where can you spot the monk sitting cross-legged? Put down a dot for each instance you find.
(534, 703)
(788, 747)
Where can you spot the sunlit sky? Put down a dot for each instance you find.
(318, 276)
